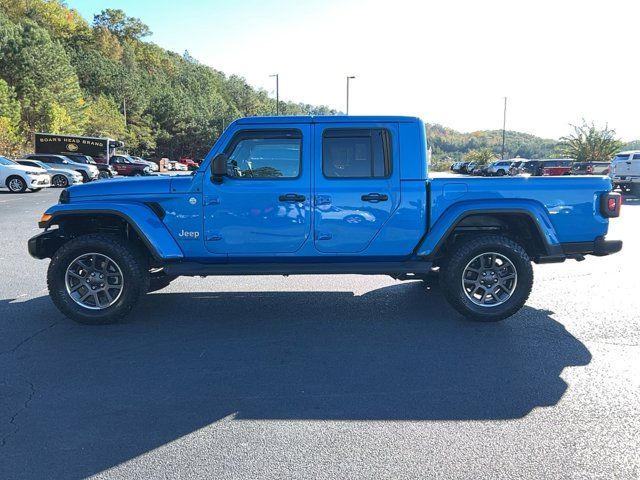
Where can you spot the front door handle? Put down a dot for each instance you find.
(375, 197)
(292, 197)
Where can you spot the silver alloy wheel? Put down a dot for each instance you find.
(60, 181)
(16, 184)
(94, 281)
(489, 279)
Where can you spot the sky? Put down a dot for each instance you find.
(449, 61)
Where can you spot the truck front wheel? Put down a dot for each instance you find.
(97, 279)
(487, 278)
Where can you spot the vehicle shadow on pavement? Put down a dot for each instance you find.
(85, 399)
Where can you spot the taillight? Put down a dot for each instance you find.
(610, 205)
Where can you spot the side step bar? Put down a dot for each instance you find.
(401, 270)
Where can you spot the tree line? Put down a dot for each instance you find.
(60, 74)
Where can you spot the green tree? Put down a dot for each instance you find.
(9, 120)
(121, 25)
(480, 156)
(104, 118)
(589, 143)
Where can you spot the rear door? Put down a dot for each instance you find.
(357, 184)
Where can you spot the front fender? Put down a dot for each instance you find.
(458, 211)
(140, 217)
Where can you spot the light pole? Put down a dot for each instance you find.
(504, 125)
(277, 94)
(349, 77)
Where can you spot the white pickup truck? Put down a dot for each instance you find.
(625, 171)
(18, 178)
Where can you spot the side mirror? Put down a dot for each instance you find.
(219, 167)
(65, 161)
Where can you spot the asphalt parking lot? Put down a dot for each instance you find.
(321, 377)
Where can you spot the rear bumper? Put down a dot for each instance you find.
(625, 179)
(600, 247)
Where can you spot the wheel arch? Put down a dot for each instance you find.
(141, 225)
(528, 226)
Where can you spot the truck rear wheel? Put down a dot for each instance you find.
(487, 278)
(97, 279)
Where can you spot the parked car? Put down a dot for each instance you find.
(456, 167)
(625, 171)
(152, 165)
(463, 167)
(18, 178)
(177, 166)
(555, 167)
(499, 168)
(479, 170)
(104, 170)
(590, 168)
(88, 172)
(257, 208)
(126, 166)
(190, 163)
(514, 168)
(469, 167)
(60, 177)
(531, 167)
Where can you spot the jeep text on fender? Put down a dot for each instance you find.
(319, 195)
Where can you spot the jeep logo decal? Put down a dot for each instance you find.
(187, 235)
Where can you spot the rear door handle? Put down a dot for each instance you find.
(375, 197)
(292, 197)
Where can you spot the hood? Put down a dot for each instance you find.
(122, 186)
(24, 168)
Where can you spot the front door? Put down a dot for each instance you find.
(357, 184)
(262, 206)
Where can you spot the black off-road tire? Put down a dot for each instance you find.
(159, 280)
(130, 260)
(465, 251)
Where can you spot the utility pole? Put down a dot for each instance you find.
(349, 77)
(277, 94)
(124, 111)
(504, 125)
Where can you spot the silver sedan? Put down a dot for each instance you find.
(60, 177)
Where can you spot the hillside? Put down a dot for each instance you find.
(448, 143)
(61, 74)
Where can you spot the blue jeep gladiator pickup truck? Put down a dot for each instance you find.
(319, 195)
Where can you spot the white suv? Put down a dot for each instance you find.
(625, 171)
(500, 168)
(18, 178)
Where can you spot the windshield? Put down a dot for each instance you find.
(40, 164)
(619, 158)
(6, 161)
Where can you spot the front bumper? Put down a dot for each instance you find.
(39, 181)
(44, 244)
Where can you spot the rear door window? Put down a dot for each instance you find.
(356, 153)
